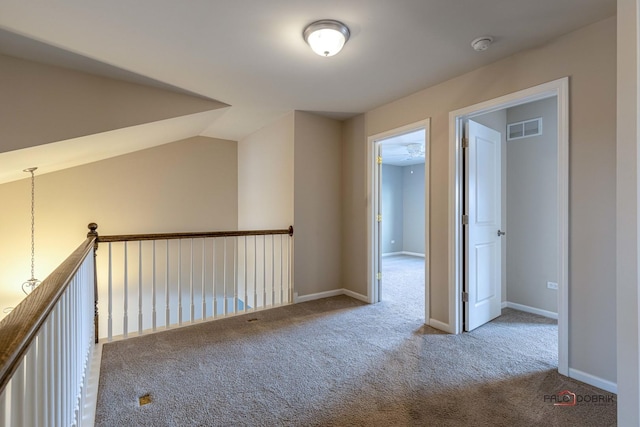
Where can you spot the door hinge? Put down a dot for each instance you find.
(379, 218)
(465, 297)
(464, 142)
(465, 219)
(379, 276)
(379, 160)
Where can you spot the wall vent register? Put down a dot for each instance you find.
(524, 129)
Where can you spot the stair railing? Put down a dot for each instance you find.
(46, 344)
(149, 282)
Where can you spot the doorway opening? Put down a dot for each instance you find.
(477, 227)
(398, 163)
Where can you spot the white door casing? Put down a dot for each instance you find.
(378, 287)
(374, 173)
(560, 89)
(483, 241)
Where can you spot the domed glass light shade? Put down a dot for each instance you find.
(326, 37)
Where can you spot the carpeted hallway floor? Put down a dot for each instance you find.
(339, 362)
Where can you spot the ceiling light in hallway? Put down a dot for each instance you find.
(326, 37)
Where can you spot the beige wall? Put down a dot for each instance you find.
(628, 238)
(289, 173)
(189, 185)
(265, 176)
(588, 56)
(318, 179)
(43, 103)
(532, 206)
(354, 205)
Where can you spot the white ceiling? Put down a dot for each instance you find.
(250, 53)
(395, 150)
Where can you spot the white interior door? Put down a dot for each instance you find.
(483, 241)
(378, 225)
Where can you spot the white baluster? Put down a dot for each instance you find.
(215, 297)
(255, 272)
(3, 407)
(246, 281)
(191, 293)
(167, 314)
(204, 299)
(290, 269)
(63, 362)
(235, 275)
(42, 383)
(153, 289)
(31, 374)
(281, 268)
(51, 370)
(180, 282)
(57, 341)
(125, 319)
(17, 396)
(110, 299)
(273, 270)
(224, 278)
(264, 271)
(140, 287)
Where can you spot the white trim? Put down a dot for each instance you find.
(403, 253)
(355, 295)
(504, 304)
(416, 254)
(329, 294)
(392, 254)
(90, 403)
(606, 385)
(319, 295)
(440, 325)
(372, 198)
(560, 89)
(528, 309)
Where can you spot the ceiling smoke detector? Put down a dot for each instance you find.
(482, 43)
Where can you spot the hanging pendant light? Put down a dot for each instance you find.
(32, 283)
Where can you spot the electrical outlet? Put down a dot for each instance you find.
(552, 285)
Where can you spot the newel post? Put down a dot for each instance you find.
(93, 227)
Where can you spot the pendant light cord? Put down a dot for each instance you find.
(33, 224)
(32, 283)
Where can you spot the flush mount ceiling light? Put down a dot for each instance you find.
(326, 37)
(482, 43)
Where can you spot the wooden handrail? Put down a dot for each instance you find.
(196, 235)
(22, 324)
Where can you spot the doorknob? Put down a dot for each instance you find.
(501, 233)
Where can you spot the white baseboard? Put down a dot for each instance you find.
(356, 295)
(391, 254)
(504, 304)
(333, 293)
(606, 385)
(526, 308)
(319, 295)
(440, 325)
(403, 253)
(413, 254)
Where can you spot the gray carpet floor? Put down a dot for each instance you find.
(339, 362)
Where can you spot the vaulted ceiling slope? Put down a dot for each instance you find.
(250, 55)
(56, 118)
